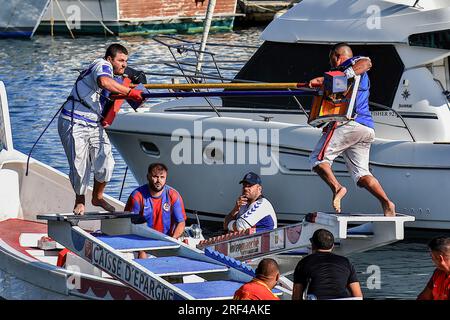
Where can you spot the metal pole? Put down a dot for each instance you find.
(206, 27)
(65, 20)
(52, 19)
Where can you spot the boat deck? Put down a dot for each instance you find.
(11, 230)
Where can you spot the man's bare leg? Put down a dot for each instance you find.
(327, 175)
(374, 187)
(142, 255)
(97, 196)
(79, 207)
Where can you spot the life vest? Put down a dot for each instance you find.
(441, 285)
(111, 109)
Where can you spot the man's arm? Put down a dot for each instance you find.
(316, 82)
(179, 214)
(112, 85)
(233, 213)
(362, 65)
(297, 292)
(179, 230)
(427, 292)
(355, 289)
(230, 216)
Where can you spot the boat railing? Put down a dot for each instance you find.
(445, 92)
(405, 125)
(197, 65)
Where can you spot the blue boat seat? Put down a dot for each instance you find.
(214, 290)
(132, 242)
(171, 266)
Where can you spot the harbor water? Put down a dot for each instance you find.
(39, 75)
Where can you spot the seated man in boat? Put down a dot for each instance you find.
(84, 139)
(352, 138)
(323, 274)
(438, 287)
(160, 205)
(252, 209)
(260, 287)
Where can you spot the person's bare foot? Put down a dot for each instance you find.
(102, 203)
(389, 209)
(337, 199)
(79, 209)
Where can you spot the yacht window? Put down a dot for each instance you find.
(150, 148)
(436, 39)
(296, 62)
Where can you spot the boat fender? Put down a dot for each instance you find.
(110, 111)
(62, 255)
(130, 76)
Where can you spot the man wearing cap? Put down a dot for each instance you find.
(252, 209)
(325, 275)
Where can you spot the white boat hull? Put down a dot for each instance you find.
(406, 170)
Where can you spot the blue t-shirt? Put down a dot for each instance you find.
(362, 113)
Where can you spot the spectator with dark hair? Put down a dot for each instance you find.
(323, 274)
(159, 205)
(438, 287)
(84, 139)
(260, 287)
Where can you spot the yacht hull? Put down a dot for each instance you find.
(412, 174)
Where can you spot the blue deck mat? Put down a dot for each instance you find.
(132, 241)
(213, 289)
(210, 289)
(178, 265)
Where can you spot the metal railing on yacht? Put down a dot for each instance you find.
(197, 66)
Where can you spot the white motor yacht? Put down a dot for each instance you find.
(210, 143)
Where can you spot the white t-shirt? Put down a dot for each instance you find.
(259, 214)
(90, 92)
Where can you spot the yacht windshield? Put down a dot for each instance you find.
(436, 39)
(296, 62)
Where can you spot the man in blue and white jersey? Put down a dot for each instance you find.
(252, 209)
(85, 141)
(351, 138)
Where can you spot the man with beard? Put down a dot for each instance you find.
(160, 206)
(252, 209)
(84, 139)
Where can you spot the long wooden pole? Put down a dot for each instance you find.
(189, 86)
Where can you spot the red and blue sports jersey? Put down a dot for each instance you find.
(162, 213)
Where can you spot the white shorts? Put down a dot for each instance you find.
(85, 147)
(352, 140)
